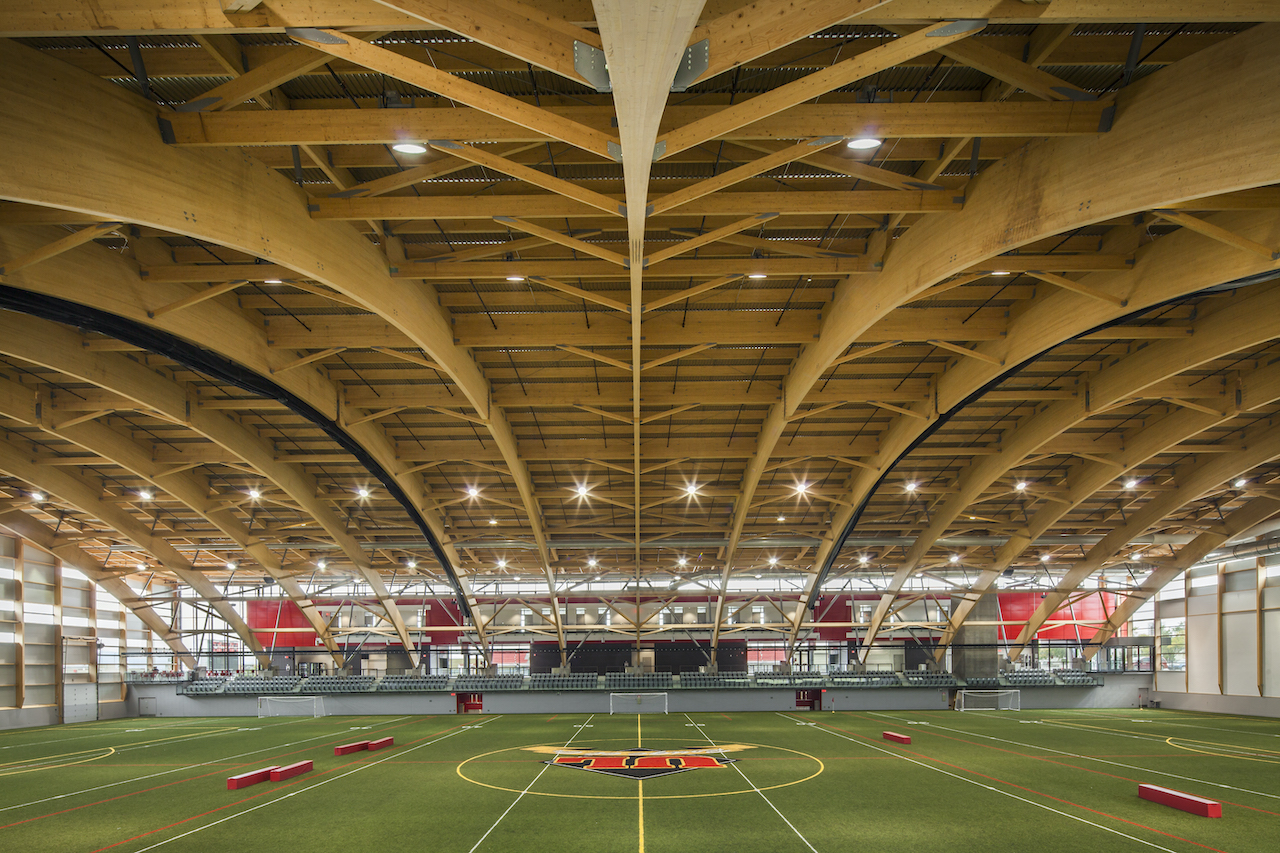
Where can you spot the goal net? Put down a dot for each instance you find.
(988, 700)
(290, 706)
(637, 703)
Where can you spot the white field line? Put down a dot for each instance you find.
(757, 790)
(1153, 738)
(1002, 793)
(577, 732)
(310, 787)
(99, 729)
(221, 760)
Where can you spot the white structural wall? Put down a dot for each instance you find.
(1232, 619)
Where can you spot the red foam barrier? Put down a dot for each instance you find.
(348, 748)
(253, 777)
(1178, 800)
(895, 737)
(282, 773)
(382, 743)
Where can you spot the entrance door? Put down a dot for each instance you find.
(79, 703)
(808, 700)
(470, 703)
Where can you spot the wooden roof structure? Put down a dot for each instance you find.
(565, 291)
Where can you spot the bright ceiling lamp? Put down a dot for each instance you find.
(758, 275)
(515, 278)
(864, 143)
(409, 148)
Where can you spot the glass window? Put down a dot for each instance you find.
(1173, 644)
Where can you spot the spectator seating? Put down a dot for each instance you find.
(1076, 678)
(702, 680)
(790, 679)
(480, 683)
(632, 681)
(572, 681)
(413, 683)
(930, 679)
(259, 685)
(1030, 678)
(984, 682)
(338, 684)
(203, 686)
(841, 678)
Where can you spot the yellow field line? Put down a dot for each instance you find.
(1171, 737)
(110, 750)
(1169, 741)
(640, 783)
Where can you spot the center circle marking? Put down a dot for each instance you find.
(821, 768)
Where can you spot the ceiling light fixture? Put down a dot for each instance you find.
(592, 561)
(502, 564)
(801, 488)
(321, 565)
(37, 496)
(773, 561)
(254, 494)
(409, 148)
(757, 276)
(582, 491)
(910, 487)
(273, 281)
(364, 493)
(231, 567)
(955, 558)
(473, 491)
(515, 278)
(493, 521)
(999, 272)
(1239, 484)
(1044, 558)
(1131, 484)
(413, 564)
(145, 495)
(681, 561)
(142, 567)
(864, 143)
(864, 559)
(1021, 485)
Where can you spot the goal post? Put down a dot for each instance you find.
(988, 700)
(291, 706)
(637, 703)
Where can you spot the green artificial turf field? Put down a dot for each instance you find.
(1032, 781)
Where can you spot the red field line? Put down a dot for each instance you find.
(1032, 791)
(1049, 760)
(552, 717)
(274, 790)
(726, 716)
(220, 769)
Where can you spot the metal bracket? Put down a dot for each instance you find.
(659, 150)
(693, 65)
(615, 150)
(591, 65)
(825, 140)
(956, 28)
(313, 34)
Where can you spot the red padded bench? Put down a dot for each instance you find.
(253, 777)
(895, 737)
(282, 773)
(348, 748)
(1179, 800)
(381, 743)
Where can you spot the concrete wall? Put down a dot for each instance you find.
(47, 715)
(1120, 691)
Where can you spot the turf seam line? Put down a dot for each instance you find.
(1009, 794)
(757, 790)
(577, 732)
(298, 791)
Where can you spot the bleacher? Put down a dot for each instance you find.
(204, 686)
(1030, 678)
(930, 679)
(1076, 678)
(572, 681)
(473, 682)
(413, 683)
(702, 680)
(629, 681)
(338, 684)
(984, 682)
(790, 679)
(842, 678)
(261, 685)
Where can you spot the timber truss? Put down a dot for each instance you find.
(522, 302)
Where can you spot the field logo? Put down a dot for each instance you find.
(640, 762)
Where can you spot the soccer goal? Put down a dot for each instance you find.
(988, 700)
(637, 703)
(291, 706)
